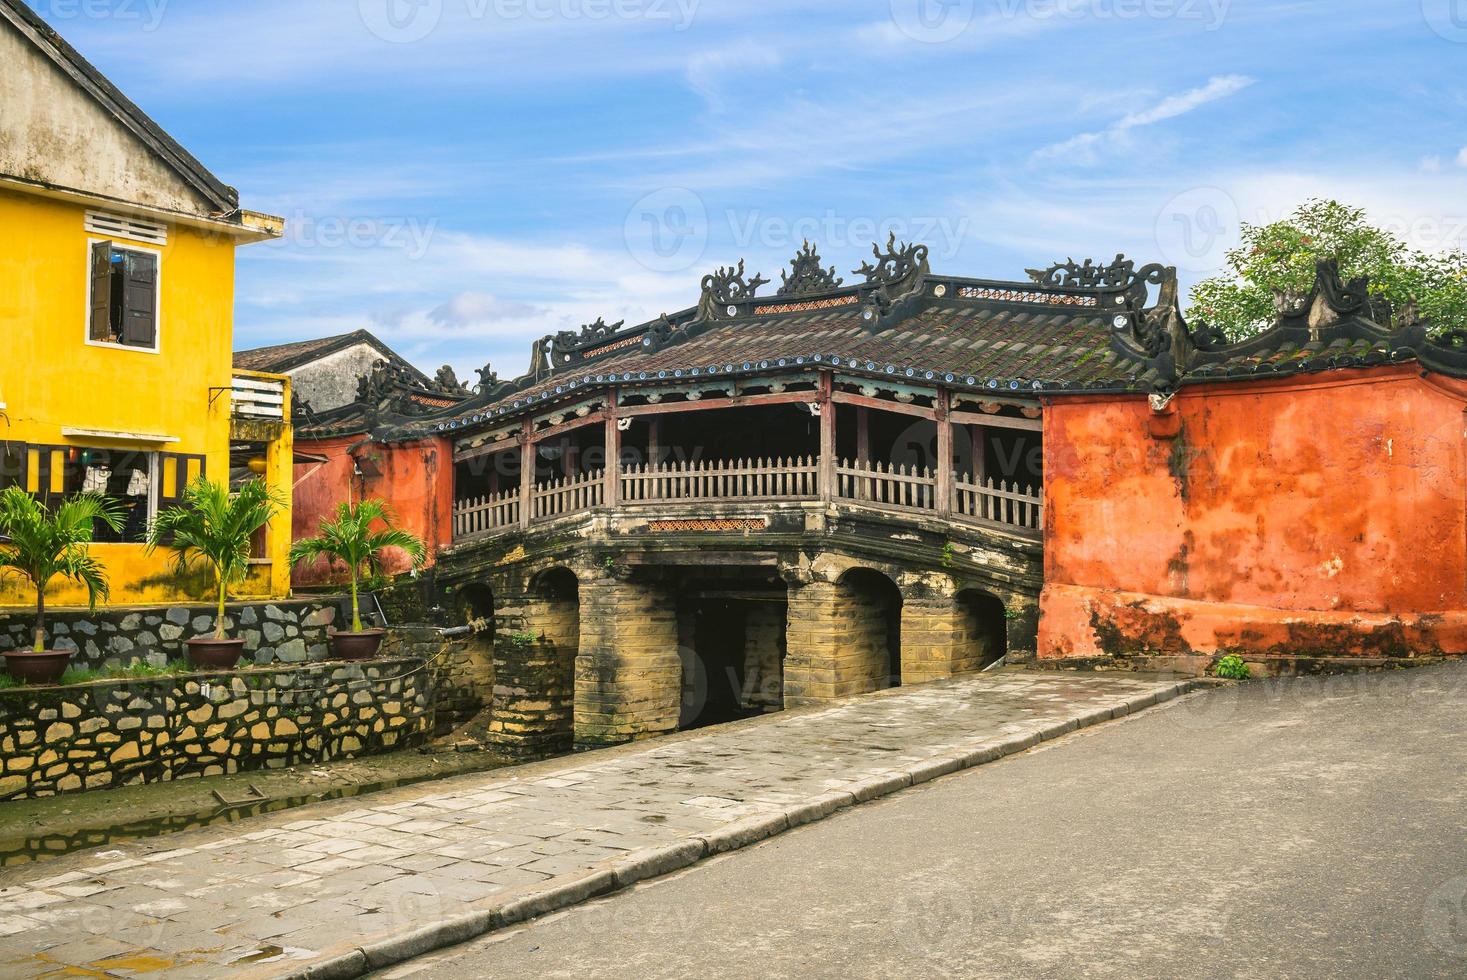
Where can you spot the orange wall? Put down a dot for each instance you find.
(1290, 516)
(416, 483)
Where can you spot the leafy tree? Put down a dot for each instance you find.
(213, 527)
(1281, 257)
(351, 540)
(43, 544)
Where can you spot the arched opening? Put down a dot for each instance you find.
(984, 640)
(474, 604)
(731, 640)
(555, 608)
(869, 621)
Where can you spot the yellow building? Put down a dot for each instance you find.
(116, 309)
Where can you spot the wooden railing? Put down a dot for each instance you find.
(746, 479)
(887, 485)
(883, 486)
(485, 515)
(998, 503)
(569, 496)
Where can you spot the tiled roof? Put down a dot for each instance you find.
(284, 356)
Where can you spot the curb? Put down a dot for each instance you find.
(655, 862)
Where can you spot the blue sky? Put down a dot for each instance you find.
(464, 176)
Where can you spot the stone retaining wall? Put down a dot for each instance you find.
(274, 632)
(113, 733)
(462, 669)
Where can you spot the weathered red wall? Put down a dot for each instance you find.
(1313, 517)
(416, 483)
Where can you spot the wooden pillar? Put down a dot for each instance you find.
(527, 472)
(980, 454)
(654, 432)
(827, 437)
(944, 453)
(613, 452)
(863, 447)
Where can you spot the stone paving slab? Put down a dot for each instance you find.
(337, 889)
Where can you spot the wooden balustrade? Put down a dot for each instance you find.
(878, 485)
(998, 503)
(569, 496)
(703, 480)
(887, 485)
(484, 515)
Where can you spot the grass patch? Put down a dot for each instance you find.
(137, 670)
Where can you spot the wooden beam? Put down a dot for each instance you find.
(741, 401)
(827, 437)
(847, 398)
(503, 445)
(595, 418)
(527, 476)
(612, 493)
(996, 421)
(944, 455)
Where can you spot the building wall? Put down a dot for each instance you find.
(1320, 516)
(416, 481)
(53, 133)
(331, 381)
(51, 379)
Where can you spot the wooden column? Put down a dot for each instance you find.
(863, 447)
(827, 437)
(613, 452)
(944, 453)
(980, 454)
(527, 473)
(654, 431)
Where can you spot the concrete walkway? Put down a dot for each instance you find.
(1291, 829)
(337, 889)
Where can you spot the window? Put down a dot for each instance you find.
(12, 465)
(127, 479)
(124, 296)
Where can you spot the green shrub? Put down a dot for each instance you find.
(1233, 668)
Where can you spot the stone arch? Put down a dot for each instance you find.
(868, 627)
(982, 633)
(535, 652)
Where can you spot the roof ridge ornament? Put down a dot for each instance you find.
(808, 274)
(897, 264)
(1087, 275)
(724, 289)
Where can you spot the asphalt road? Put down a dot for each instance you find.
(1304, 828)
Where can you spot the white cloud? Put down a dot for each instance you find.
(1431, 165)
(1462, 157)
(1084, 148)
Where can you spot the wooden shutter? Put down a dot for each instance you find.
(140, 299)
(177, 471)
(101, 325)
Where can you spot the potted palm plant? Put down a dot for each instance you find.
(213, 528)
(351, 540)
(39, 545)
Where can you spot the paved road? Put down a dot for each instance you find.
(280, 893)
(1295, 829)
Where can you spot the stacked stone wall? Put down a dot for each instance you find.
(274, 632)
(115, 733)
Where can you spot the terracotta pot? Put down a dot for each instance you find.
(42, 669)
(357, 646)
(215, 654)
